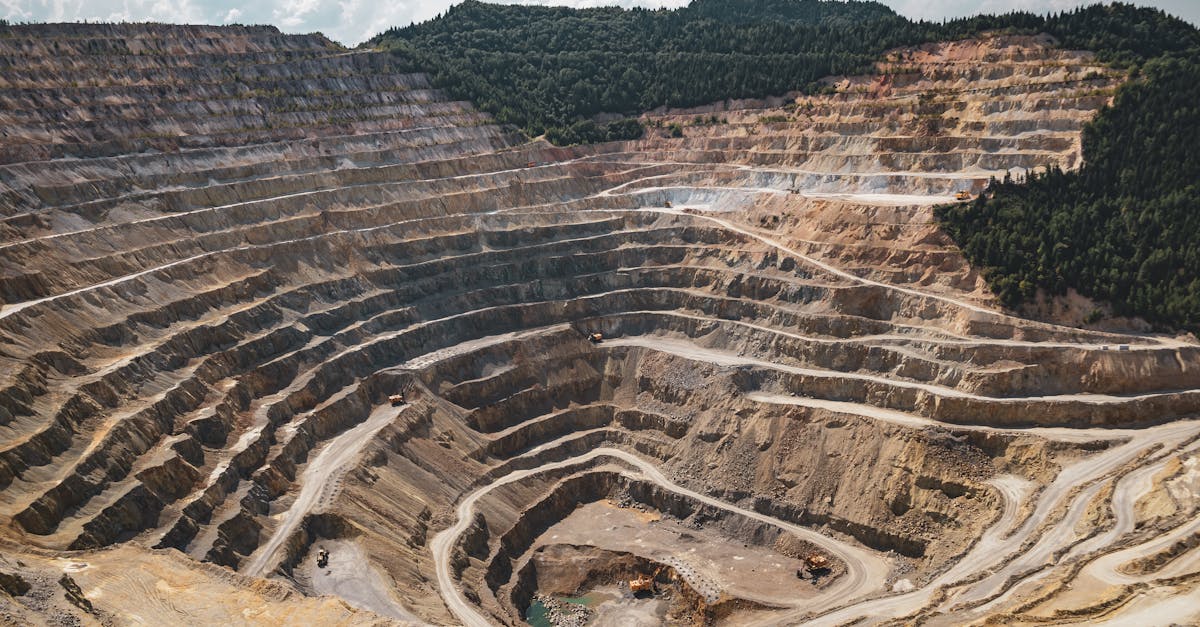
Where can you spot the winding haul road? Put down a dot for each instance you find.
(1000, 549)
(1009, 545)
(866, 571)
(690, 350)
(318, 483)
(1022, 544)
(1005, 549)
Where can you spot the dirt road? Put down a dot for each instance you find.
(866, 571)
(696, 352)
(317, 484)
(1005, 552)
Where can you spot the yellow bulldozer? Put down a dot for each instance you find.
(961, 196)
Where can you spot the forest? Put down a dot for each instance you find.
(568, 72)
(1122, 229)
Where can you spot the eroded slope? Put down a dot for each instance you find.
(219, 263)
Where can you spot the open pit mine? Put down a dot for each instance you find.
(289, 337)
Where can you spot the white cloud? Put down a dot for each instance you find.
(353, 21)
(291, 13)
(102, 10)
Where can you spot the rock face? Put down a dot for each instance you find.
(223, 250)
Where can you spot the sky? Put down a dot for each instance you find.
(352, 21)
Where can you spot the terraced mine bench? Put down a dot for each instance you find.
(216, 282)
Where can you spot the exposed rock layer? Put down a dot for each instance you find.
(223, 249)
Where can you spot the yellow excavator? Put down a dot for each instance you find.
(644, 583)
(961, 196)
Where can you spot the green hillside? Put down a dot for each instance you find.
(1125, 228)
(1122, 229)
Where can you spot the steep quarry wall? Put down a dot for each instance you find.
(222, 250)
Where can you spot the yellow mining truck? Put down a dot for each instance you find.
(815, 566)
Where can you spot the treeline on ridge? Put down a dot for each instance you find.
(1125, 227)
(565, 72)
(1122, 229)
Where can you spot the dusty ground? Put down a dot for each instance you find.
(130, 586)
(630, 613)
(349, 575)
(746, 572)
(211, 283)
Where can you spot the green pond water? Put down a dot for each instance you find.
(537, 613)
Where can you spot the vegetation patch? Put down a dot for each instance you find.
(1124, 227)
(554, 70)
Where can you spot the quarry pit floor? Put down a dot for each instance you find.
(714, 561)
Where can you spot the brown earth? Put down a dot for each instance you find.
(222, 249)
